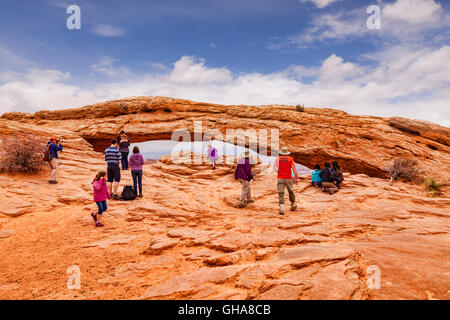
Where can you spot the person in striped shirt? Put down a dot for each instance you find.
(113, 158)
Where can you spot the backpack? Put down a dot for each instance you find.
(128, 193)
(46, 155)
(213, 153)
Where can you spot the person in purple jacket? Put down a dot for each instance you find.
(136, 162)
(243, 173)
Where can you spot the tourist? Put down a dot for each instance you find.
(243, 173)
(124, 147)
(285, 166)
(339, 174)
(316, 178)
(213, 155)
(136, 163)
(329, 179)
(112, 158)
(101, 194)
(119, 136)
(54, 146)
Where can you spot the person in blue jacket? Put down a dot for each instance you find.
(316, 176)
(54, 147)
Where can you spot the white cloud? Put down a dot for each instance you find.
(213, 45)
(413, 11)
(400, 82)
(106, 66)
(320, 3)
(106, 30)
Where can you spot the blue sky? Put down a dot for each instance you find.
(314, 52)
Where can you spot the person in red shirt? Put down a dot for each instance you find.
(287, 176)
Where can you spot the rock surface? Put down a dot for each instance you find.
(186, 239)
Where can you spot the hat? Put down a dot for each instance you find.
(284, 151)
(53, 139)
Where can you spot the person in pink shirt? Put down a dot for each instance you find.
(136, 162)
(101, 194)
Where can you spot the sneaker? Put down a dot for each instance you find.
(323, 189)
(331, 191)
(293, 207)
(241, 205)
(53, 181)
(99, 225)
(281, 209)
(141, 195)
(94, 216)
(250, 201)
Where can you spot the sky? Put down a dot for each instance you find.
(317, 53)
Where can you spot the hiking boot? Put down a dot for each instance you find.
(281, 209)
(250, 201)
(52, 181)
(141, 195)
(293, 206)
(99, 225)
(94, 216)
(241, 205)
(331, 191)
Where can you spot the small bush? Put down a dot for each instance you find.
(300, 108)
(21, 154)
(404, 168)
(433, 187)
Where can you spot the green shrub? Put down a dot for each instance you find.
(433, 187)
(300, 108)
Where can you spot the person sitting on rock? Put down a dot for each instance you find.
(112, 158)
(339, 174)
(316, 178)
(285, 166)
(136, 163)
(329, 179)
(101, 193)
(124, 147)
(244, 174)
(213, 155)
(54, 146)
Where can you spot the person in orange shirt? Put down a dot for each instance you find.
(287, 176)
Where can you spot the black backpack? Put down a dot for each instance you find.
(128, 193)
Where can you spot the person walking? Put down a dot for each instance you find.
(112, 158)
(244, 174)
(136, 163)
(213, 155)
(124, 147)
(101, 194)
(54, 146)
(287, 176)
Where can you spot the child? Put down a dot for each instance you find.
(316, 176)
(101, 193)
(136, 163)
(213, 156)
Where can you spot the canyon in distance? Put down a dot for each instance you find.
(187, 238)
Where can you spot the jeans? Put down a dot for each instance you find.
(102, 207)
(124, 160)
(137, 178)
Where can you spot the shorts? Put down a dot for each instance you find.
(113, 173)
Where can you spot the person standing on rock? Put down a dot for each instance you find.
(136, 163)
(54, 146)
(243, 173)
(213, 155)
(285, 166)
(112, 158)
(124, 147)
(101, 194)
